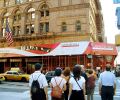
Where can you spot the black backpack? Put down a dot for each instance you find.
(35, 87)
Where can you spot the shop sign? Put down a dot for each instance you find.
(75, 44)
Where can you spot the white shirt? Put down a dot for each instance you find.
(58, 80)
(107, 78)
(42, 79)
(75, 86)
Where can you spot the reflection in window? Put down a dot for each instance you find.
(64, 27)
(78, 26)
(44, 27)
(44, 11)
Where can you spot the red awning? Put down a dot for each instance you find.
(98, 48)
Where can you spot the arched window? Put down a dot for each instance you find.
(30, 17)
(16, 23)
(44, 24)
(17, 16)
(5, 16)
(44, 11)
(31, 14)
(64, 27)
(78, 26)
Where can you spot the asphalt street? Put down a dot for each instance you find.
(20, 91)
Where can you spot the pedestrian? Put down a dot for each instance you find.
(107, 84)
(58, 80)
(40, 78)
(66, 76)
(83, 73)
(77, 85)
(90, 85)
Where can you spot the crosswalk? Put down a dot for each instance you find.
(25, 94)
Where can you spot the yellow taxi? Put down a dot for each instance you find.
(2, 78)
(16, 76)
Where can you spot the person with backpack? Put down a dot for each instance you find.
(38, 84)
(58, 85)
(77, 85)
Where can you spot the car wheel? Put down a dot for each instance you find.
(23, 79)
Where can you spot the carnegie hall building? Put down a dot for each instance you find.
(39, 26)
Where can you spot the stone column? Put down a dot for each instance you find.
(23, 21)
(37, 22)
(1, 33)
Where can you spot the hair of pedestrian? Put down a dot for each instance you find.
(38, 66)
(66, 71)
(58, 71)
(77, 72)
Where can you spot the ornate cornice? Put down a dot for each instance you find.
(70, 7)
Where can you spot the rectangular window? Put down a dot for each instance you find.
(17, 1)
(27, 29)
(32, 28)
(47, 27)
(42, 13)
(41, 27)
(47, 13)
(33, 15)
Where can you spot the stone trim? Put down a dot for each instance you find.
(70, 7)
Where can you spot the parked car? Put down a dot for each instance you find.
(49, 75)
(1, 78)
(16, 76)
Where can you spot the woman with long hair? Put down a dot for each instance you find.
(66, 76)
(77, 85)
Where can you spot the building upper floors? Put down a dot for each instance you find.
(41, 17)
